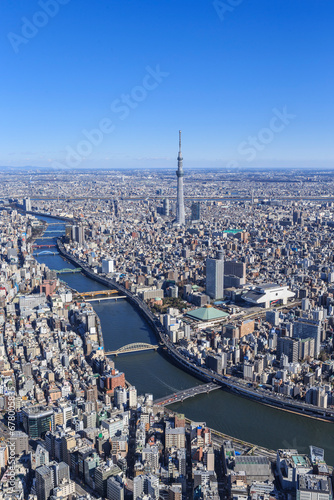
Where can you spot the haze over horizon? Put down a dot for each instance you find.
(110, 85)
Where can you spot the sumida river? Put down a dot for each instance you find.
(151, 372)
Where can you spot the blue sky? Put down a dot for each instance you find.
(139, 71)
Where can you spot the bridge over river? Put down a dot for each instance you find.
(187, 393)
(135, 347)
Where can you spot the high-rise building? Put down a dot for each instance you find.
(297, 217)
(107, 266)
(41, 456)
(308, 328)
(138, 487)
(289, 347)
(165, 209)
(148, 484)
(102, 472)
(37, 421)
(215, 276)
(175, 492)
(209, 459)
(180, 214)
(175, 437)
(114, 207)
(27, 205)
(115, 490)
(235, 268)
(306, 348)
(44, 482)
(132, 397)
(21, 442)
(61, 472)
(67, 442)
(196, 211)
(78, 234)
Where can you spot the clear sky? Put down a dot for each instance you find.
(249, 82)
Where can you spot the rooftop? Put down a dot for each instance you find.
(249, 460)
(206, 313)
(299, 460)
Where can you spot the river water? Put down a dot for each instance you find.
(151, 372)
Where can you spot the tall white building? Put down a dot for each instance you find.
(215, 276)
(27, 205)
(132, 397)
(107, 266)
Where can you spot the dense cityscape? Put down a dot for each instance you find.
(167, 295)
(233, 273)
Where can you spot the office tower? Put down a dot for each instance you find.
(297, 217)
(175, 437)
(289, 347)
(306, 349)
(67, 442)
(138, 487)
(209, 459)
(152, 485)
(175, 492)
(27, 205)
(21, 442)
(150, 457)
(37, 421)
(235, 268)
(78, 234)
(148, 484)
(50, 444)
(165, 210)
(215, 362)
(180, 216)
(196, 211)
(102, 473)
(308, 328)
(215, 276)
(182, 461)
(61, 472)
(68, 232)
(120, 396)
(115, 490)
(41, 456)
(44, 482)
(116, 208)
(132, 397)
(107, 266)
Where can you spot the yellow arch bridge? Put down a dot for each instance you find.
(136, 347)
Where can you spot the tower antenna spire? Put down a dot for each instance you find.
(180, 215)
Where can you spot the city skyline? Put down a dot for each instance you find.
(252, 92)
(100, 290)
